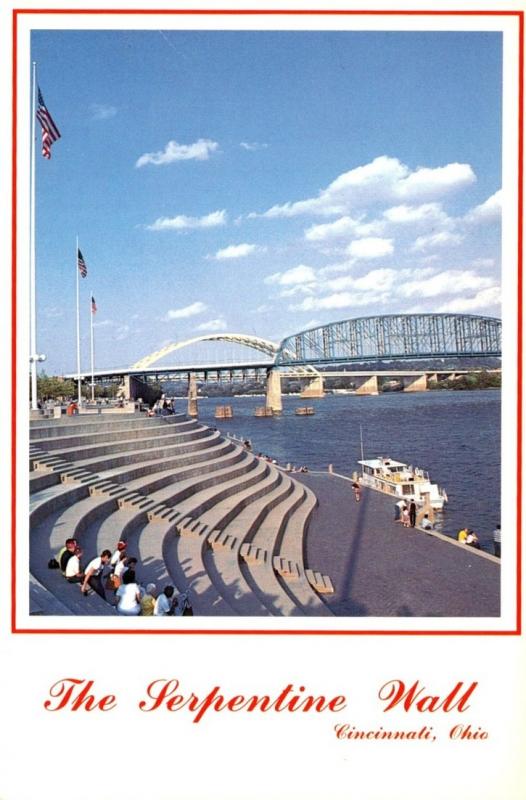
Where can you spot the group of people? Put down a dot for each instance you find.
(468, 537)
(113, 576)
(405, 514)
(162, 408)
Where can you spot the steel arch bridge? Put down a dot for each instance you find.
(394, 336)
(256, 343)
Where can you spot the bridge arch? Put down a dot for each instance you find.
(400, 336)
(255, 342)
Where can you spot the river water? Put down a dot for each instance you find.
(454, 435)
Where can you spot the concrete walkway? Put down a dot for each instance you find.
(381, 569)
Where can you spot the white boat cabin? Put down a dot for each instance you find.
(401, 480)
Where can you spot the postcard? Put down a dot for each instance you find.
(263, 335)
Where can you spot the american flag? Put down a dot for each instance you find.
(81, 264)
(93, 305)
(50, 132)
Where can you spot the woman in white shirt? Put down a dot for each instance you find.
(128, 595)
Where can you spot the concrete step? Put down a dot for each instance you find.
(43, 603)
(287, 569)
(252, 554)
(236, 495)
(158, 547)
(39, 430)
(289, 551)
(75, 454)
(117, 462)
(67, 440)
(196, 495)
(149, 484)
(124, 474)
(321, 583)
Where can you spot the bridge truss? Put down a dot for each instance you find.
(394, 336)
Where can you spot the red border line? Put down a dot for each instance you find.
(520, 242)
(13, 326)
(270, 12)
(520, 171)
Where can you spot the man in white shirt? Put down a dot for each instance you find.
(496, 541)
(93, 576)
(73, 571)
(163, 604)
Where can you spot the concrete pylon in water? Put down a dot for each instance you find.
(192, 397)
(313, 387)
(273, 398)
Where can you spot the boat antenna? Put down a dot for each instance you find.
(361, 444)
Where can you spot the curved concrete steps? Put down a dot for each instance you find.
(223, 560)
(198, 511)
(73, 454)
(288, 560)
(79, 440)
(49, 464)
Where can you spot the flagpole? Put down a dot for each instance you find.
(92, 352)
(32, 255)
(79, 395)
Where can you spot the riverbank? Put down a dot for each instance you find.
(381, 569)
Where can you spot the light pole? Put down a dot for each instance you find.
(34, 360)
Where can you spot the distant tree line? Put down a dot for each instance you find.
(479, 380)
(54, 387)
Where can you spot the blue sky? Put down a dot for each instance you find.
(263, 182)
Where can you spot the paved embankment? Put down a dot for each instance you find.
(381, 569)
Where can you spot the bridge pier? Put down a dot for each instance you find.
(273, 395)
(192, 396)
(313, 387)
(367, 384)
(414, 383)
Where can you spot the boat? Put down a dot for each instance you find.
(402, 481)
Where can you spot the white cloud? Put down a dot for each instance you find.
(440, 239)
(340, 300)
(182, 222)
(236, 251)
(297, 275)
(218, 324)
(485, 300)
(370, 247)
(344, 226)
(489, 211)
(185, 312)
(99, 111)
(336, 269)
(200, 151)
(427, 212)
(382, 180)
(426, 182)
(253, 146)
(451, 281)
(299, 288)
(483, 263)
